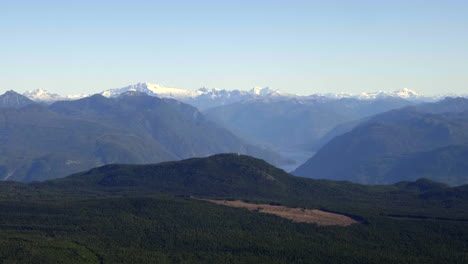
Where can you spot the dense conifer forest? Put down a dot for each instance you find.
(147, 214)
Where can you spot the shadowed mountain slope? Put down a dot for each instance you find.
(296, 122)
(398, 145)
(12, 99)
(39, 142)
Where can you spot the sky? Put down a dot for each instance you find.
(302, 47)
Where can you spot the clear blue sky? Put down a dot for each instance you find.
(297, 46)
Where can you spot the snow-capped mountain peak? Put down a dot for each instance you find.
(42, 95)
(257, 90)
(153, 90)
(404, 93)
(203, 90)
(262, 91)
(208, 97)
(267, 91)
(202, 97)
(14, 99)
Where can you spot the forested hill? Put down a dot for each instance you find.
(152, 214)
(239, 176)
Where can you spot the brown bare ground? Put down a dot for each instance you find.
(301, 215)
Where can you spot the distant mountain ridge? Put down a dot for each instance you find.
(200, 98)
(204, 98)
(296, 121)
(44, 96)
(272, 117)
(404, 93)
(427, 140)
(39, 141)
(14, 100)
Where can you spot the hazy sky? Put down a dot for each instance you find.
(297, 46)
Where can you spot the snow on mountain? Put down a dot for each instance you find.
(404, 93)
(260, 91)
(14, 100)
(176, 93)
(153, 90)
(204, 98)
(76, 96)
(407, 93)
(41, 95)
(266, 91)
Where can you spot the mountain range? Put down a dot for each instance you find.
(39, 142)
(201, 98)
(294, 122)
(427, 140)
(204, 98)
(291, 124)
(44, 96)
(122, 206)
(294, 126)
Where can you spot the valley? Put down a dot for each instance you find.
(298, 156)
(237, 132)
(112, 179)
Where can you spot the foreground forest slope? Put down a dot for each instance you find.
(148, 214)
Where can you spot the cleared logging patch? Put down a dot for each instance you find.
(301, 215)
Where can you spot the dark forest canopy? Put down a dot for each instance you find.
(145, 213)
